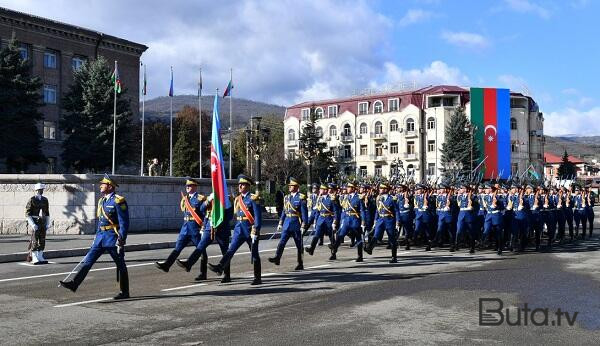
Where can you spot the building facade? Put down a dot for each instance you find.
(369, 134)
(55, 50)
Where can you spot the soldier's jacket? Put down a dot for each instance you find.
(198, 203)
(113, 218)
(252, 204)
(294, 209)
(441, 201)
(386, 208)
(521, 210)
(404, 204)
(35, 205)
(326, 209)
(353, 211)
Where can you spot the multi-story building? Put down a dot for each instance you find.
(369, 134)
(55, 50)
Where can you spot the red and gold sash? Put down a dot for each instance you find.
(191, 210)
(245, 210)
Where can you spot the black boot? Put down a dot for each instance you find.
(275, 260)
(187, 264)
(227, 275)
(360, 252)
(300, 265)
(394, 254)
(311, 249)
(203, 267)
(69, 285)
(427, 245)
(370, 246)
(257, 274)
(333, 247)
(407, 247)
(472, 245)
(321, 239)
(217, 269)
(166, 264)
(123, 285)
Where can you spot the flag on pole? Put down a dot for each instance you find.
(144, 90)
(228, 89)
(490, 112)
(217, 170)
(171, 87)
(116, 80)
(531, 171)
(200, 83)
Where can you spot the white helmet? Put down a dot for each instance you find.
(39, 186)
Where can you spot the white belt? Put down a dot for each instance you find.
(465, 209)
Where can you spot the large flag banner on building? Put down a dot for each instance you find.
(217, 170)
(116, 80)
(490, 112)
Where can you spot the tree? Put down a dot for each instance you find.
(312, 149)
(156, 144)
(185, 152)
(88, 120)
(456, 150)
(20, 101)
(566, 169)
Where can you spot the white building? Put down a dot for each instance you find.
(368, 132)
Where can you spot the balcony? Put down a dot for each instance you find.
(292, 143)
(410, 157)
(346, 138)
(379, 136)
(343, 158)
(411, 134)
(377, 158)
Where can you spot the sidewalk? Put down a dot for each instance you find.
(13, 247)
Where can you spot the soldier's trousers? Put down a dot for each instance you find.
(389, 228)
(549, 219)
(580, 217)
(444, 225)
(92, 256)
(241, 235)
(38, 238)
(465, 224)
(568, 212)
(560, 222)
(535, 226)
(494, 223)
(590, 219)
(406, 223)
(423, 226)
(292, 230)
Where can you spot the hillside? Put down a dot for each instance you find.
(243, 110)
(583, 147)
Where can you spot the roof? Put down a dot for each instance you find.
(552, 158)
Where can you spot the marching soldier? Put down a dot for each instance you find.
(193, 208)
(568, 210)
(560, 200)
(579, 211)
(292, 221)
(38, 217)
(405, 214)
(247, 229)
(113, 224)
(535, 220)
(520, 206)
(325, 216)
(589, 211)
(494, 205)
(548, 214)
(353, 212)
(385, 220)
(424, 214)
(444, 213)
(465, 221)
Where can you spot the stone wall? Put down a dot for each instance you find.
(153, 201)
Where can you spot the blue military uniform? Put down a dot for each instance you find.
(405, 216)
(466, 218)
(580, 213)
(589, 211)
(385, 220)
(520, 207)
(548, 214)
(353, 216)
(424, 217)
(113, 223)
(326, 217)
(494, 205)
(535, 219)
(444, 213)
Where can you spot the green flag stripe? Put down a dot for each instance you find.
(218, 213)
(477, 119)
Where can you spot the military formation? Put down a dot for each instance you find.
(483, 216)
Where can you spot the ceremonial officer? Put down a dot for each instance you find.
(535, 202)
(113, 224)
(353, 212)
(560, 199)
(579, 211)
(444, 213)
(548, 214)
(493, 222)
(38, 217)
(208, 235)
(325, 216)
(385, 220)
(589, 209)
(464, 223)
(423, 214)
(311, 204)
(568, 209)
(292, 221)
(404, 222)
(193, 207)
(520, 206)
(247, 229)
(480, 211)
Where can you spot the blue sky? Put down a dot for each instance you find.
(290, 51)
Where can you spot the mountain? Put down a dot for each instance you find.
(243, 110)
(586, 148)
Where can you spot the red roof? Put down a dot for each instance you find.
(552, 158)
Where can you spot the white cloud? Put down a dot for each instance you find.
(525, 6)
(438, 72)
(570, 91)
(465, 39)
(573, 121)
(514, 83)
(413, 16)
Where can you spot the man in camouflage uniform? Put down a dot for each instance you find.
(38, 217)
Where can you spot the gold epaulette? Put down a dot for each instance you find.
(201, 197)
(254, 197)
(119, 199)
(333, 197)
(302, 196)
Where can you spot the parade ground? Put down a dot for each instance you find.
(425, 298)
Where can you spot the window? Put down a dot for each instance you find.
(319, 113)
(77, 62)
(347, 130)
(378, 150)
(378, 127)
(448, 101)
(514, 168)
(348, 170)
(410, 170)
(319, 132)
(513, 123)
(431, 169)
(363, 128)
(50, 59)
(378, 171)
(430, 146)
(24, 51)
(363, 108)
(393, 126)
(363, 171)
(410, 147)
(514, 147)
(431, 123)
(305, 114)
(378, 107)
(393, 105)
(347, 152)
(393, 148)
(49, 130)
(50, 94)
(332, 131)
(291, 135)
(291, 153)
(410, 125)
(332, 111)
(364, 150)
(51, 165)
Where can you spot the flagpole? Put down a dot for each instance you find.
(143, 120)
(171, 130)
(230, 123)
(200, 122)
(114, 121)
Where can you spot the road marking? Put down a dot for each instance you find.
(34, 265)
(181, 287)
(84, 302)
(321, 266)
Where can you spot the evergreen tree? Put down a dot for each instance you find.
(20, 100)
(185, 152)
(456, 150)
(566, 169)
(88, 120)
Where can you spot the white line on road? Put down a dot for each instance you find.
(84, 302)
(181, 287)
(321, 266)
(27, 264)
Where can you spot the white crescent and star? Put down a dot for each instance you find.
(490, 138)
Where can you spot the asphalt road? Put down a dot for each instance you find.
(426, 298)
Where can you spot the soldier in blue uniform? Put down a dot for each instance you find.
(535, 220)
(579, 211)
(247, 229)
(589, 209)
(560, 199)
(208, 235)
(113, 224)
(548, 214)
(444, 201)
(466, 217)
(568, 209)
(405, 214)
(353, 216)
(385, 220)
(494, 205)
(325, 216)
(520, 207)
(292, 221)
(311, 202)
(191, 203)
(424, 205)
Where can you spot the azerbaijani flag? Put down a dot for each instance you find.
(217, 171)
(228, 89)
(171, 87)
(115, 79)
(532, 172)
(144, 87)
(490, 112)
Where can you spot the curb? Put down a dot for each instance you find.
(22, 256)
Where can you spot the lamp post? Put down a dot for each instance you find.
(470, 128)
(257, 139)
(309, 148)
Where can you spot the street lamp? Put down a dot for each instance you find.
(470, 128)
(257, 139)
(308, 148)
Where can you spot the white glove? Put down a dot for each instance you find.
(254, 237)
(31, 223)
(48, 223)
(36, 228)
(279, 228)
(209, 198)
